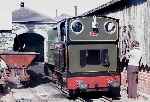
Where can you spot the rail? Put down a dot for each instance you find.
(102, 99)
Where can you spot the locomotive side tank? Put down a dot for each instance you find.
(84, 55)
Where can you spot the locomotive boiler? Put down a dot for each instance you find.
(83, 54)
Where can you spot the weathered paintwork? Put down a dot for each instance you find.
(74, 58)
(85, 34)
(18, 59)
(96, 82)
(52, 38)
(55, 38)
(83, 54)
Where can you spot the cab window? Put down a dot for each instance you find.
(94, 57)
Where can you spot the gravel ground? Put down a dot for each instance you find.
(140, 98)
(49, 93)
(44, 91)
(41, 93)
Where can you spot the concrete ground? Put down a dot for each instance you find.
(141, 97)
(43, 90)
(40, 93)
(49, 93)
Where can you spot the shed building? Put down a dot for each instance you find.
(30, 31)
(134, 21)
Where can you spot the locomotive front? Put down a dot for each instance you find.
(84, 54)
(93, 54)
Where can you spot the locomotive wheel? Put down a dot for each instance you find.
(114, 92)
(73, 94)
(2, 88)
(25, 83)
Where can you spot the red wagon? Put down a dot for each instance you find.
(18, 63)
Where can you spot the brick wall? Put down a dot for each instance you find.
(143, 81)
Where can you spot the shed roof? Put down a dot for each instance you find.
(112, 6)
(27, 15)
(102, 7)
(62, 17)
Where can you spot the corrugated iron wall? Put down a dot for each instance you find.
(135, 25)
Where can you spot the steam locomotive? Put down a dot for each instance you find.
(83, 54)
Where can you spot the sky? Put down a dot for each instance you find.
(46, 7)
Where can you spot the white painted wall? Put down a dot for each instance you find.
(138, 18)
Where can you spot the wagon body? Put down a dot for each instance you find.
(17, 63)
(18, 59)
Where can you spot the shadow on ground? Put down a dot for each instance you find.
(36, 79)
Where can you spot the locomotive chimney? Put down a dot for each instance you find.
(22, 4)
(56, 13)
(76, 10)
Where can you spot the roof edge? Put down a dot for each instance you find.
(36, 22)
(101, 7)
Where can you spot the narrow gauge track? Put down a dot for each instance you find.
(102, 99)
(81, 99)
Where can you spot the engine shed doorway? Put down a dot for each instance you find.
(30, 42)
